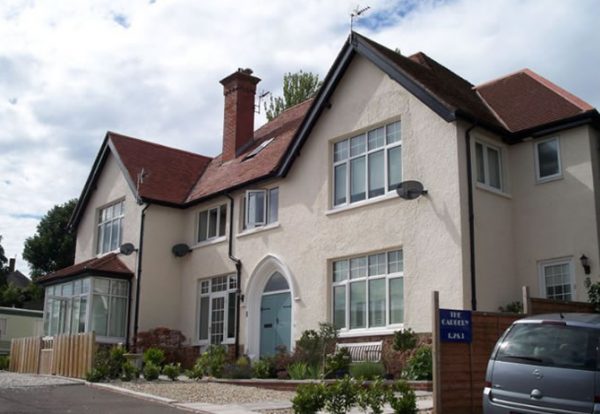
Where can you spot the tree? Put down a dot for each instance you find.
(297, 87)
(53, 246)
(3, 268)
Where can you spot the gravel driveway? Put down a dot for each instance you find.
(207, 392)
(13, 380)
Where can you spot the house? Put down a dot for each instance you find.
(18, 323)
(300, 221)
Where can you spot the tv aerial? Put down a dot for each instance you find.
(355, 13)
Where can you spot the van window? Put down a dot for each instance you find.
(552, 345)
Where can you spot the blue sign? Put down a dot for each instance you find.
(455, 325)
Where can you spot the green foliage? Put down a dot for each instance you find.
(154, 356)
(420, 365)
(367, 370)
(4, 361)
(309, 398)
(405, 340)
(512, 307)
(242, 369)
(593, 290)
(196, 373)
(297, 87)
(11, 295)
(95, 375)
(313, 347)
(151, 371)
(172, 371)
(373, 397)
(341, 396)
(129, 372)
(115, 362)
(298, 371)
(402, 398)
(53, 246)
(264, 368)
(337, 365)
(212, 361)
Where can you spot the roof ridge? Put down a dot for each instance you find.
(498, 79)
(143, 141)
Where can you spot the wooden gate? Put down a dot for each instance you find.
(65, 355)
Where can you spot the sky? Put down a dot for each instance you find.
(72, 69)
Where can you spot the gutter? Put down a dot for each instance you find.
(139, 275)
(238, 270)
(471, 218)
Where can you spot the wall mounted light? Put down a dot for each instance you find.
(585, 262)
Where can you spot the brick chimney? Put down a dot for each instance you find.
(11, 265)
(239, 89)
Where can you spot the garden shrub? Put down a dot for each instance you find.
(298, 370)
(95, 375)
(309, 398)
(129, 372)
(196, 373)
(402, 398)
(172, 371)
(420, 365)
(211, 362)
(313, 346)
(154, 356)
(336, 365)
(405, 340)
(512, 307)
(151, 371)
(4, 362)
(373, 397)
(264, 368)
(367, 370)
(341, 396)
(116, 360)
(242, 369)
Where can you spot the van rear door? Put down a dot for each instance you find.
(546, 367)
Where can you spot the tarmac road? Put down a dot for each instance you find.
(75, 398)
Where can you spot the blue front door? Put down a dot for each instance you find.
(275, 322)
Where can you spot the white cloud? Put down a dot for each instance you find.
(70, 70)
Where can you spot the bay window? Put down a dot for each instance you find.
(217, 302)
(110, 227)
(368, 291)
(85, 305)
(368, 165)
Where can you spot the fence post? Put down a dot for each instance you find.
(435, 336)
(526, 301)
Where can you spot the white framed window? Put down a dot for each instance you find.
(488, 162)
(3, 327)
(261, 207)
(367, 165)
(556, 279)
(110, 227)
(85, 305)
(212, 223)
(217, 301)
(547, 160)
(368, 291)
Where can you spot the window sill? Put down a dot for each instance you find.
(255, 230)
(117, 250)
(548, 179)
(356, 333)
(363, 203)
(228, 341)
(493, 190)
(210, 242)
(110, 340)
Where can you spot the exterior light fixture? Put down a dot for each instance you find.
(585, 262)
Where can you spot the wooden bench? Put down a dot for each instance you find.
(363, 351)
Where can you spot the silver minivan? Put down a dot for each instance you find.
(546, 364)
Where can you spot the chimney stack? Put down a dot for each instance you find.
(11, 265)
(239, 90)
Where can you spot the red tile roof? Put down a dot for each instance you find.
(525, 100)
(108, 264)
(222, 176)
(169, 173)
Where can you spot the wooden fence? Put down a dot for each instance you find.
(65, 355)
(459, 368)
